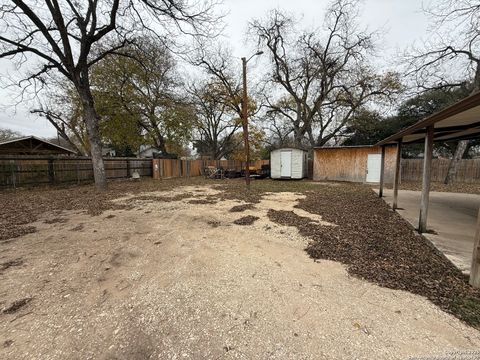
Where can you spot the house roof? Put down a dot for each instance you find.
(32, 145)
(460, 121)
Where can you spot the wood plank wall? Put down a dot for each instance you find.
(350, 164)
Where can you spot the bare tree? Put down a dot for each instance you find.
(61, 107)
(216, 123)
(323, 79)
(217, 64)
(228, 84)
(69, 37)
(65, 129)
(454, 44)
(7, 134)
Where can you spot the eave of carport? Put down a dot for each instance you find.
(460, 121)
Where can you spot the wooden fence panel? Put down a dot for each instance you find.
(170, 168)
(17, 171)
(468, 170)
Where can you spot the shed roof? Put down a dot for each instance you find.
(287, 148)
(340, 147)
(460, 121)
(32, 145)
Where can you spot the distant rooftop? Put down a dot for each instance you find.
(32, 145)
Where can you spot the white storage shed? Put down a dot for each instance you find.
(288, 163)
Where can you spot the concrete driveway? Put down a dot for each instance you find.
(451, 216)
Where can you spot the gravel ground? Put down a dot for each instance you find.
(156, 275)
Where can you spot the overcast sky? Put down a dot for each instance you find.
(401, 21)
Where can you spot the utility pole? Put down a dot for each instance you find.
(245, 117)
(245, 123)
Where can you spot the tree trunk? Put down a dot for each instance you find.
(452, 168)
(91, 122)
(462, 145)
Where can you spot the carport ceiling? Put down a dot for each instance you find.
(460, 121)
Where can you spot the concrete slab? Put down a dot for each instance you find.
(452, 216)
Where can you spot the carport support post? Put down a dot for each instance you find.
(427, 167)
(475, 269)
(382, 172)
(396, 182)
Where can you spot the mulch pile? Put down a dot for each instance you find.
(10, 263)
(246, 220)
(154, 198)
(242, 208)
(377, 245)
(202, 201)
(16, 305)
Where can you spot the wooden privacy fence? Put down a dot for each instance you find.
(30, 171)
(468, 170)
(170, 168)
(18, 171)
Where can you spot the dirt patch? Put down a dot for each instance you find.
(242, 208)
(246, 220)
(16, 262)
(79, 227)
(214, 223)
(24, 206)
(202, 201)
(55, 221)
(376, 244)
(166, 199)
(16, 305)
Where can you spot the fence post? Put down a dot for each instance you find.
(51, 171)
(12, 167)
(128, 168)
(78, 172)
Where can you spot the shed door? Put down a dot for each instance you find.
(373, 168)
(286, 164)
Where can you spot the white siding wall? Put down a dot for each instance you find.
(298, 167)
(305, 164)
(275, 164)
(297, 164)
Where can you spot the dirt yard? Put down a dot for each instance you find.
(197, 270)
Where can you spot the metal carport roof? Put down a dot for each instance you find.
(460, 121)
